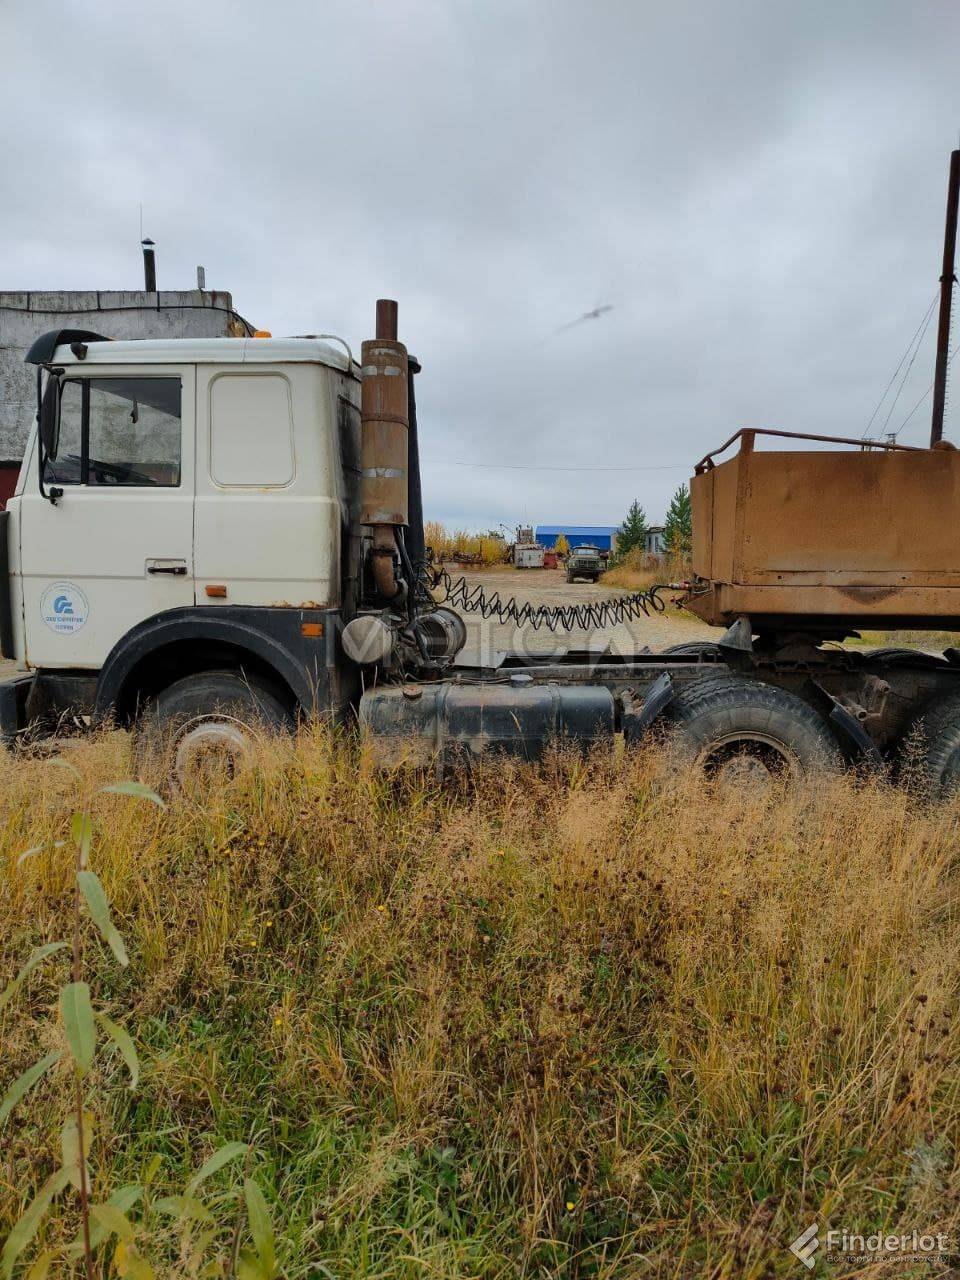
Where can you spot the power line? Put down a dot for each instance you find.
(906, 372)
(923, 397)
(921, 326)
(516, 466)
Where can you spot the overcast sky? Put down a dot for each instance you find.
(755, 186)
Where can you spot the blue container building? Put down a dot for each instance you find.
(592, 535)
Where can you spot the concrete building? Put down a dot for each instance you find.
(189, 313)
(602, 536)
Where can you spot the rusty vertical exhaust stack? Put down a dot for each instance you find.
(384, 423)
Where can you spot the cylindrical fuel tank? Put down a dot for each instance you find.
(446, 722)
(383, 432)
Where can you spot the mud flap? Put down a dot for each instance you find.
(851, 729)
(13, 702)
(638, 717)
(848, 728)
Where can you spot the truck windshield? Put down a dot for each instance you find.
(118, 431)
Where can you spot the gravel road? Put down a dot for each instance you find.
(549, 587)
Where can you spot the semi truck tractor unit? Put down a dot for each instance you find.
(210, 538)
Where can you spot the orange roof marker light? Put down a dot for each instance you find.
(262, 333)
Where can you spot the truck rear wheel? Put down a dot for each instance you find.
(936, 734)
(737, 730)
(210, 721)
(693, 649)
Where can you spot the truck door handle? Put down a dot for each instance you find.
(177, 568)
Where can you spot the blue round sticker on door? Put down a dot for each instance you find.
(64, 608)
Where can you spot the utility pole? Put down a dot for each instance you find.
(947, 281)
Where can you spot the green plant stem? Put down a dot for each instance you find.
(81, 1155)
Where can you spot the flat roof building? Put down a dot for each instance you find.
(603, 536)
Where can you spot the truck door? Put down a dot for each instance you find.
(267, 527)
(117, 546)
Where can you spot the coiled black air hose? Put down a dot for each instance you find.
(460, 594)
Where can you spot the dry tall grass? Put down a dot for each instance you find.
(637, 571)
(446, 543)
(574, 1020)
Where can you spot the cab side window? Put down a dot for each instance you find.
(251, 431)
(118, 432)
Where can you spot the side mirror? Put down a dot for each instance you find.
(50, 417)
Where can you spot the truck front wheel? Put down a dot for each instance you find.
(210, 721)
(738, 729)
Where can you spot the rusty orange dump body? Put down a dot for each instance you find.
(828, 539)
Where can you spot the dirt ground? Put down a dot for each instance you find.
(549, 587)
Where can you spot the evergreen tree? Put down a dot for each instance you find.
(678, 524)
(633, 531)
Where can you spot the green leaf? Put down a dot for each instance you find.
(229, 1151)
(24, 1231)
(249, 1267)
(41, 1265)
(23, 1084)
(113, 1220)
(124, 1198)
(183, 1207)
(78, 1024)
(130, 1265)
(39, 848)
(122, 1040)
(58, 762)
(70, 1145)
(35, 958)
(81, 831)
(138, 789)
(261, 1228)
(96, 901)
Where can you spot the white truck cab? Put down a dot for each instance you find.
(186, 497)
(183, 473)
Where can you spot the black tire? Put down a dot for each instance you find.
(893, 657)
(570, 577)
(211, 715)
(736, 728)
(694, 649)
(930, 745)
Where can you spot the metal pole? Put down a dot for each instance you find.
(947, 281)
(149, 267)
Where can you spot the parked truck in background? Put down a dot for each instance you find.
(585, 563)
(213, 536)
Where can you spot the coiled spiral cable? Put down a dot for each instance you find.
(467, 598)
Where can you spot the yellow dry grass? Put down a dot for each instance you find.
(637, 571)
(447, 543)
(580, 1019)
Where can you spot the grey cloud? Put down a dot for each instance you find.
(757, 187)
